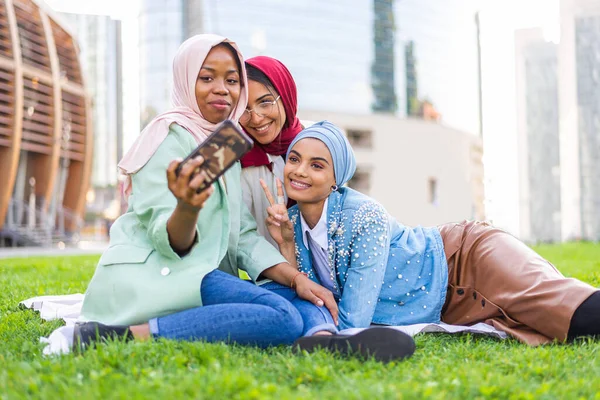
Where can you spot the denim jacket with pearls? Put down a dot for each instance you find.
(386, 273)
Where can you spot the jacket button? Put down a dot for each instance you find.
(460, 292)
(165, 271)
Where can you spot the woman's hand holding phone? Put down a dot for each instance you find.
(185, 185)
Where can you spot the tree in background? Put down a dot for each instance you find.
(415, 106)
(412, 93)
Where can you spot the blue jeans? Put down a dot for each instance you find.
(315, 318)
(234, 311)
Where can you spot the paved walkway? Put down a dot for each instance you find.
(83, 248)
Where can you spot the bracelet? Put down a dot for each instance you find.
(295, 276)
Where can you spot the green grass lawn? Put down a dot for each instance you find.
(444, 366)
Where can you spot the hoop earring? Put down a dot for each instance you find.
(334, 188)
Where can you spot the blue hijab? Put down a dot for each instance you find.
(344, 163)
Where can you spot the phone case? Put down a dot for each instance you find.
(226, 145)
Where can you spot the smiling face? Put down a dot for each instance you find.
(263, 129)
(218, 85)
(308, 173)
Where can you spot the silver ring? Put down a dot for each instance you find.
(280, 200)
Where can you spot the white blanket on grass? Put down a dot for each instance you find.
(68, 308)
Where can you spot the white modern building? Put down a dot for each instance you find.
(579, 94)
(558, 101)
(422, 172)
(538, 140)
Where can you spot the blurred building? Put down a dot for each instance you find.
(538, 141)
(99, 39)
(349, 61)
(163, 27)
(436, 46)
(424, 173)
(382, 71)
(339, 54)
(579, 94)
(558, 101)
(327, 45)
(46, 140)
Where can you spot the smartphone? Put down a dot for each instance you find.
(221, 149)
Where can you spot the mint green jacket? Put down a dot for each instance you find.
(140, 277)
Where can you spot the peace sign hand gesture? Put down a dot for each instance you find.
(278, 223)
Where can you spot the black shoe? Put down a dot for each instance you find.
(383, 344)
(88, 332)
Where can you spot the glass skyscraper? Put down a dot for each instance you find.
(538, 133)
(587, 53)
(579, 80)
(329, 48)
(161, 33)
(98, 37)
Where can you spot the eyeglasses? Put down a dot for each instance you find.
(261, 110)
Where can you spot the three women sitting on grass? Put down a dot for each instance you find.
(172, 265)
(171, 269)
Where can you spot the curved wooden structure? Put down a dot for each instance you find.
(45, 120)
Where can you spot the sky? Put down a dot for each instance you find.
(499, 20)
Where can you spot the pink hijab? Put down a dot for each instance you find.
(187, 63)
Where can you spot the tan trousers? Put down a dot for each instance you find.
(495, 278)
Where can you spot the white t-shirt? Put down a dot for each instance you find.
(319, 231)
(254, 195)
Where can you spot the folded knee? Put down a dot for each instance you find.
(290, 320)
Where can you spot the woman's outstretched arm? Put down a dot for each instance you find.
(170, 225)
(181, 226)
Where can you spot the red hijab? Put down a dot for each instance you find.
(285, 86)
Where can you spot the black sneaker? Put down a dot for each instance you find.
(87, 332)
(383, 344)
